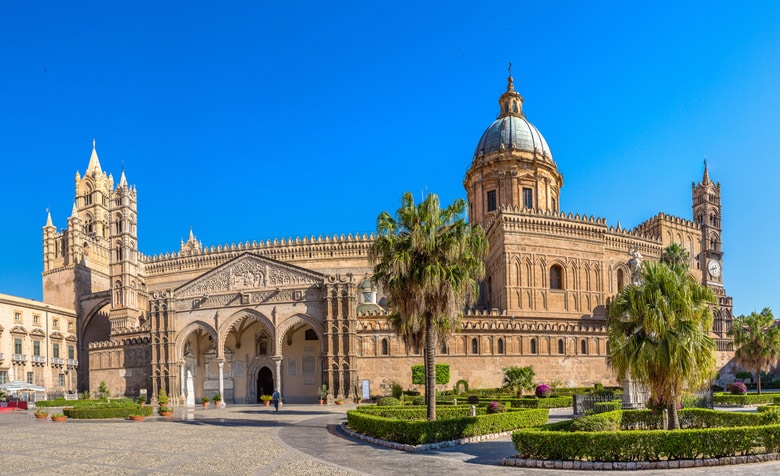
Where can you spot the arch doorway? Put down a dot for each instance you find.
(265, 382)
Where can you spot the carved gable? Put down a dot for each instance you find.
(246, 272)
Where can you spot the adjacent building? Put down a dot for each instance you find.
(38, 344)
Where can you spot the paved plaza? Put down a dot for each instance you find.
(237, 440)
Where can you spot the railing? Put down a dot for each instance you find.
(38, 359)
(73, 362)
(57, 361)
(20, 358)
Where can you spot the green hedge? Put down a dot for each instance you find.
(603, 407)
(89, 403)
(748, 399)
(107, 411)
(706, 434)
(410, 413)
(423, 432)
(533, 402)
(644, 445)
(57, 402)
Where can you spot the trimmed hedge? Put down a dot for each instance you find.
(410, 413)
(57, 402)
(89, 403)
(389, 402)
(603, 407)
(706, 436)
(748, 399)
(552, 402)
(107, 412)
(423, 432)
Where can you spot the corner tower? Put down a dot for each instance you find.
(512, 165)
(76, 260)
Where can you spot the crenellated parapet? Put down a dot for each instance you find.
(549, 222)
(284, 249)
(652, 225)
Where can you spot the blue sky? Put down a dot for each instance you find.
(257, 120)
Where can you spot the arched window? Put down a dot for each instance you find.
(500, 346)
(560, 346)
(443, 348)
(583, 347)
(385, 347)
(620, 280)
(556, 277)
(533, 346)
(474, 346)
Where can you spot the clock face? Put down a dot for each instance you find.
(714, 268)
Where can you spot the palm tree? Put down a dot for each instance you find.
(659, 334)
(676, 257)
(428, 261)
(757, 339)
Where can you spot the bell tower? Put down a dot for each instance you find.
(707, 213)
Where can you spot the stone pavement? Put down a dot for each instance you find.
(299, 439)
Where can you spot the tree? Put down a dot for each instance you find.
(517, 379)
(757, 340)
(676, 257)
(659, 334)
(428, 261)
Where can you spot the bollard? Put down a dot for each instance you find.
(473, 410)
(455, 401)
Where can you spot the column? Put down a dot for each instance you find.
(220, 365)
(278, 382)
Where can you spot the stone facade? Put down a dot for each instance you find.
(245, 318)
(38, 344)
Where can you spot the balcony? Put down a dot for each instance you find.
(2, 357)
(20, 358)
(38, 359)
(57, 361)
(73, 363)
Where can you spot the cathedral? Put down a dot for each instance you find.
(294, 314)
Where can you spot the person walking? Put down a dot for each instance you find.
(275, 398)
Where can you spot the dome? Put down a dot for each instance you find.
(513, 132)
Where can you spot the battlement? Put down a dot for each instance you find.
(284, 249)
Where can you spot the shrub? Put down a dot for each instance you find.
(107, 411)
(495, 407)
(141, 399)
(472, 399)
(543, 391)
(418, 400)
(442, 374)
(532, 402)
(463, 383)
(388, 402)
(423, 431)
(748, 399)
(737, 388)
(162, 397)
(396, 390)
(603, 407)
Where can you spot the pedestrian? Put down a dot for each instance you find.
(275, 398)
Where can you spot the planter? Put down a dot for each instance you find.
(136, 418)
(322, 402)
(267, 403)
(59, 419)
(42, 415)
(166, 414)
(339, 402)
(205, 405)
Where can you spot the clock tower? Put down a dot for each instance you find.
(707, 214)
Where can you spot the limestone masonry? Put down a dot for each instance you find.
(293, 314)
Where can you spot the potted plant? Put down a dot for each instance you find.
(165, 411)
(142, 400)
(322, 392)
(266, 399)
(205, 401)
(217, 400)
(339, 401)
(59, 417)
(162, 399)
(41, 413)
(135, 417)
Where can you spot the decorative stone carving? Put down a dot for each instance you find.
(247, 272)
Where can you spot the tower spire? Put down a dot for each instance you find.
(511, 101)
(48, 218)
(94, 163)
(706, 178)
